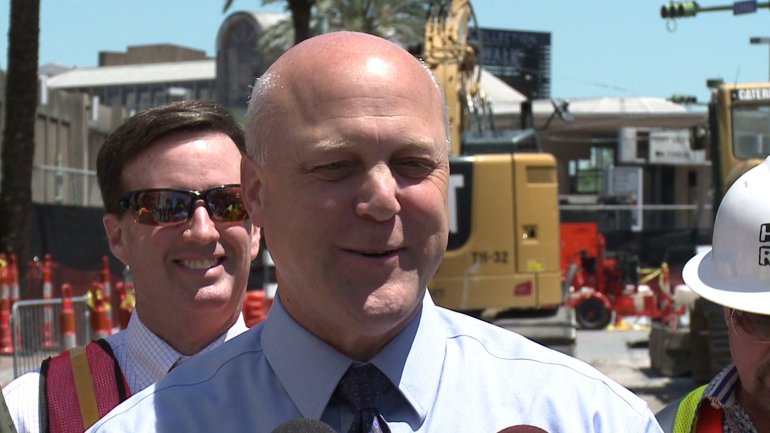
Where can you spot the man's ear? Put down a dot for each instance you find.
(252, 189)
(255, 238)
(113, 226)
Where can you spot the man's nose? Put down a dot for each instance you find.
(377, 198)
(201, 227)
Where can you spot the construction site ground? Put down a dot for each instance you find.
(622, 354)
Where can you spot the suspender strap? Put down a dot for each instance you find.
(120, 381)
(42, 396)
(80, 386)
(84, 386)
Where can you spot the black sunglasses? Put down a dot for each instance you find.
(166, 206)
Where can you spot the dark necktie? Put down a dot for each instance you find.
(362, 387)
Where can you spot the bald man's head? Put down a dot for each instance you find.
(320, 70)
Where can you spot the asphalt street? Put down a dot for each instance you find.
(623, 355)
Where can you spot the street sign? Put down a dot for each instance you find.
(744, 7)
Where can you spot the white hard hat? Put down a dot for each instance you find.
(735, 272)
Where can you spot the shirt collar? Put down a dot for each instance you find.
(155, 355)
(721, 390)
(310, 369)
(414, 360)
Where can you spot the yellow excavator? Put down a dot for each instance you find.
(739, 132)
(502, 261)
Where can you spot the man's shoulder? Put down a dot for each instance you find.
(25, 382)
(219, 360)
(206, 376)
(509, 356)
(27, 385)
(495, 340)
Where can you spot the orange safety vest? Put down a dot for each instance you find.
(79, 386)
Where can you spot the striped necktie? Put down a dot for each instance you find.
(362, 387)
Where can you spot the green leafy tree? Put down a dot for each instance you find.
(402, 21)
(18, 145)
(301, 14)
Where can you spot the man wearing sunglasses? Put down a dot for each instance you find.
(735, 273)
(170, 182)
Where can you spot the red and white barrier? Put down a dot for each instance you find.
(49, 340)
(6, 342)
(13, 268)
(68, 331)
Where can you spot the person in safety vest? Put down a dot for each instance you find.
(170, 181)
(735, 274)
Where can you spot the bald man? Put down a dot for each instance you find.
(347, 172)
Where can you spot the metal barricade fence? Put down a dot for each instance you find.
(37, 333)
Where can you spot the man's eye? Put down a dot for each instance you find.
(415, 168)
(332, 171)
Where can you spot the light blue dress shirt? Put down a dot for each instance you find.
(452, 373)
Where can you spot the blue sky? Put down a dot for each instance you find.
(616, 48)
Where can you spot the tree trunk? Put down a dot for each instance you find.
(18, 145)
(300, 17)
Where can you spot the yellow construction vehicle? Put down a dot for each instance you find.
(502, 261)
(739, 131)
(739, 118)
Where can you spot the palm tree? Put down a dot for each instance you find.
(402, 21)
(301, 13)
(21, 95)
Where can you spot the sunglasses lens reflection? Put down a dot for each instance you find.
(169, 207)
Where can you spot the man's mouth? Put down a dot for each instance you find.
(199, 264)
(382, 253)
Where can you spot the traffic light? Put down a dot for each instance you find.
(679, 9)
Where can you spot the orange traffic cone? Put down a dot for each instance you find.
(48, 329)
(6, 342)
(254, 307)
(68, 332)
(101, 324)
(14, 279)
(127, 301)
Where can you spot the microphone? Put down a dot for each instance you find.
(304, 425)
(522, 429)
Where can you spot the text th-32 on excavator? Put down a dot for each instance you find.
(502, 261)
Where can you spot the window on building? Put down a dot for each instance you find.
(587, 175)
(239, 61)
(145, 98)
